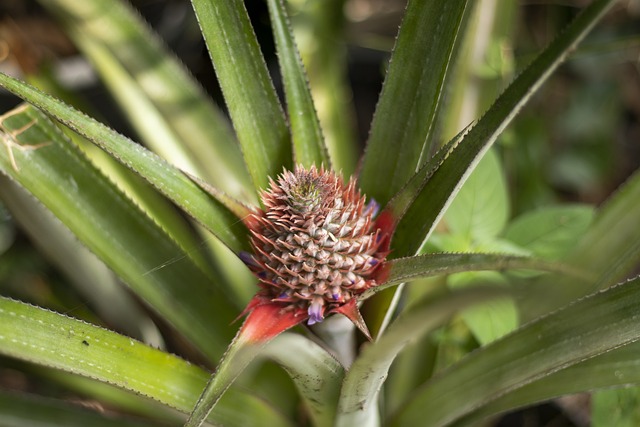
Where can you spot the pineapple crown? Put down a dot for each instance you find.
(316, 246)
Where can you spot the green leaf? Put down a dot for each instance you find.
(308, 143)
(620, 408)
(614, 232)
(51, 168)
(608, 252)
(319, 29)
(615, 368)
(493, 319)
(404, 124)
(590, 327)
(551, 232)
(154, 88)
(252, 101)
(265, 321)
(317, 375)
(97, 285)
(442, 177)
(365, 377)
(19, 410)
(50, 339)
(481, 208)
(170, 181)
(412, 268)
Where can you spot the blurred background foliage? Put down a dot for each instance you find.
(575, 142)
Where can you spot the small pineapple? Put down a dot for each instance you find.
(316, 245)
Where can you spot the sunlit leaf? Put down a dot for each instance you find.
(590, 327)
(50, 339)
(51, 168)
(252, 101)
(170, 181)
(153, 87)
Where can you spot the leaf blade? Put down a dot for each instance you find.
(308, 143)
(411, 96)
(617, 368)
(164, 102)
(447, 171)
(167, 179)
(50, 339)
(118, 232)
(365, 377)
(534, 351)
(402, 270)
(254, 107)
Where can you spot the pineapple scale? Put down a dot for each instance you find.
(314, 244)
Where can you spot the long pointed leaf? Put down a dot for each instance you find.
(308, 143)
(166, 178)
(254, 107)
(404, 124)
(588, 328)
(110, 225)
(319, 27)
(365, 377)
(264, 322)
(36, 335)
(317, 375)
(406, 269)
(614, 232)
(616, 368)
(91, 277)
(113, 35)
(446, 173)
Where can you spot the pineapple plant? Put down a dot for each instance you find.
(324, 237)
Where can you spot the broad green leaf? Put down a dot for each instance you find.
(442, 177)
(319, 27)
(317, 375)
(197, 139)
(170, 181)
(614, 233)
(358, 399)
(98, 286)
(51, 168)
(20, 410)
(252, 101)
(550, 232)
(308, 143)
(592, 326)
(493, 319)
(404, 124)
(620, 408)
(412, 268)
(481, 208)
(608, 252)
(39, 336)
(616, 368)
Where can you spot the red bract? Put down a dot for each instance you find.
(316, 249)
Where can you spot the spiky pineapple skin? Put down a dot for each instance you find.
(315, 243)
